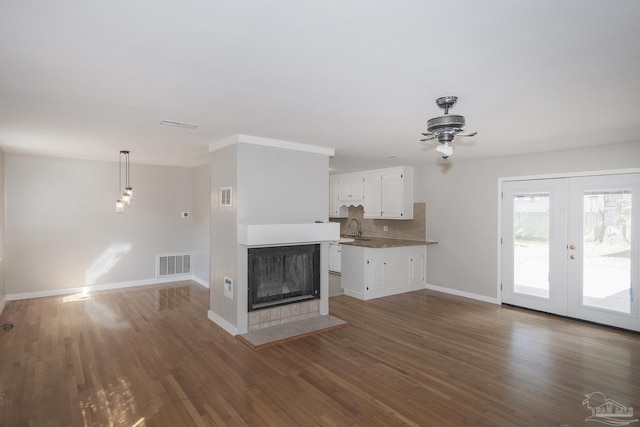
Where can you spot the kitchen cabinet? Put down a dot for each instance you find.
(369, 273)
(335, 257)
(388, 193)
(351, 188)
(372, 206)
(417, 267)
(383, 193)
(336, 209)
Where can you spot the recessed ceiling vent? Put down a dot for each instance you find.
(175, 124)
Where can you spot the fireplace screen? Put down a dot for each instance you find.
(283, 275)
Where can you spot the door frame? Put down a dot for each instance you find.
(501, 180)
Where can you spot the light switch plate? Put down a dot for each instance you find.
(228, 287)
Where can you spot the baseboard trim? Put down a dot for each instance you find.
(200, 281)
(463, 294)
(104, 287)
(222, 323)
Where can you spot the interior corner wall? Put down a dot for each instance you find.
(224, 227)
(462, 208)
(201, 222)
(62, 231)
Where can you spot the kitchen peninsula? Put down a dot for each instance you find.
(374, 267)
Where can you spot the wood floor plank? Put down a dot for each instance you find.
(149, 356)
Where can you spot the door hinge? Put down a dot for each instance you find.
(631, 292)
(501, 195)
(501, 240)
(500, 286)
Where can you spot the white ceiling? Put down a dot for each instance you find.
(85, 79)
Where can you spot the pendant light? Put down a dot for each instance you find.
(127, 193)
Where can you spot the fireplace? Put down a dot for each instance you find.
(283, 275)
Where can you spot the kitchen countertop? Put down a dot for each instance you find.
(382, 242)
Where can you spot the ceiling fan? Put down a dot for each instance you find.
(446, 127)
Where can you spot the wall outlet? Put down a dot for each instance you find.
(228, 287)
(385, 228)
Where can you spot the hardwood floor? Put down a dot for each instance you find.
(149, 356)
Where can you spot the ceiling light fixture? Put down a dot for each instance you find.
(127, 193)
(176, 124)
(445, 128)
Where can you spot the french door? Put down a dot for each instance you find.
(570, 247)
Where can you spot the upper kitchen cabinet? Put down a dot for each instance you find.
(372, 195)
(336, 208)
(351, 188)
(383, 193)
(389, 193)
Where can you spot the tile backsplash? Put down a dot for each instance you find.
(410, 229)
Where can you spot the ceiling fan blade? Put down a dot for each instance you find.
(467, 134)
(430, 137)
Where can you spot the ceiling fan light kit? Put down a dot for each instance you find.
(446, 127)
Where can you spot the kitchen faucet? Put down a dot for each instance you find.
(359, 230)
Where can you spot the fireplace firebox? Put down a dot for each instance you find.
(283, 275)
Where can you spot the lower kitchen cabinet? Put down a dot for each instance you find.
(335, 257)
(369, 273)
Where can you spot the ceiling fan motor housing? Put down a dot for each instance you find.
(446, 121)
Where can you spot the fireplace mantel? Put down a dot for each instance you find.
(277, 234)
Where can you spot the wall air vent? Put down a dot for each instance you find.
(169, 265)
(176, 124)
(225, 196)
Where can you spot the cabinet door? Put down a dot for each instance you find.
(351, 187)
(371, 203)
(416, 268)
(375, 274)
(391, 195)
(336, 209)
(335, 257)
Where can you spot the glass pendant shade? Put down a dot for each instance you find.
(445, 149)
(127, 194)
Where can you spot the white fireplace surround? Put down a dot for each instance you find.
(280, 234)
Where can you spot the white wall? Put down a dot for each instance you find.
(2, 286)
(462, 209)
(62, 230)
(200, 220)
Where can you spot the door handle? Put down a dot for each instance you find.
(572, 256)
(572, 247)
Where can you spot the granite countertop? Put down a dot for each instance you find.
(382, 242)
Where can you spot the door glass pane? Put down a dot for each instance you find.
(606, 276)
(531, 244)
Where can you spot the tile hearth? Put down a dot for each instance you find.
(284, 332)
(283, 314)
